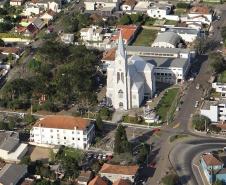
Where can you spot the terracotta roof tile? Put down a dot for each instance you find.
(63, 122)
(122, 182)
(118, 169)
(200, 10)
(131, 3)
(98, 181)
(13, 50)
(211, 160)
(109, 54)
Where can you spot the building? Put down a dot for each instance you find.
(67, 38)
(141, 6)
(11, 174)
(84, 177)
(102, 5)
(213, 167)
(220, 88)
(31, 9)
(98, 181)
(94, 33)
(159, 11)
(16, 2)
(70, 131)
(116, 172)
(47, 16)
(16, 52)
(128, 5)
(214, 110)
(122, 182)
(11, 149)
(167, 40)
(201, 13)
(129, 81)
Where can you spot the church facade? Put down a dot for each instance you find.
(129, 80)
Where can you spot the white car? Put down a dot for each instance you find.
(197, 86)
(196, 104)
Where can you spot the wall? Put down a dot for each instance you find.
(172, 17)
(212, 113)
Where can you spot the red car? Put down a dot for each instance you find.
(152, 165)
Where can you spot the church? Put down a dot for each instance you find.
(130, 80)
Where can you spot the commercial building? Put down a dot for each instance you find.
(69, 131)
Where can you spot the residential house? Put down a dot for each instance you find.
(67, 38)
(213, 168)
(159, 11)
(31, 9)
(214, 110)
(220, 88)
(47, 16)
(45, 5)
(200, 13)
(98, 181)
(115, 172)
(16, 52)
(10, 147)
(70, 131)
(102, 5)
(167, 40)
(11, 174)
(122, 182)
(84, 177)
(128, 5)
(16, 2)
(94, 33)
(141, 6)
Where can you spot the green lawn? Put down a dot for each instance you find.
(145, 37)
(166, 102)
(222, 77)
(180, 11)
(171, 22)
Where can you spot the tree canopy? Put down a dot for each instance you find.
(170, 179)
(200, 122)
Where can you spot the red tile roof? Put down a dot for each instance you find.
(131, 3)
(200, 10)
(211, 160)
(122, 182)
(63, 122)
(109, 54)
(118, 169)
(13, 50)
(98, 181)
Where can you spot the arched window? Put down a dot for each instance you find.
(120, 93)
(118, 77)
(122, 77)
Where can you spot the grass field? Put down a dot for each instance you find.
(166, 102)
(222, 77)
(171, 22)
(145, 37)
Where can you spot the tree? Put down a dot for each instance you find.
(2, 43)
(125, 19)
(3, 126)
(28, 118)
(136, 18)
(25, 160)
(144, 151)
(121, 144)
(217, 62)
(201, 45)
(170, 179)
(218, 182)
(200, 122)
(99, 123)
(214, 128)
(96, 166)
(11, 125)
(183, 5)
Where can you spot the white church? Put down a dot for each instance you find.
(129, 80)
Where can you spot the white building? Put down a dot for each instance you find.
(142, 6)
(159, 11)
(31, 9)
(102, 5)
(116, 172)
(70, 131)
(11, 150)
(129, 81)
(67, 38)
(214, 110)
(166, 40)
(200, 13)
(128, 5)
(220, 88)
(93, 33)
(16, 2)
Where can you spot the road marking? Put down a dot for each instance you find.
(177, 125)
(199, 172)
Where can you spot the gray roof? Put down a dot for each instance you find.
(11, 174)
(39, 23)
(9, 141)
(166, 62)
(137, 49)
(168, 37)
(207, 103)
(183, 30)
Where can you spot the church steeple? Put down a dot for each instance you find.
(121, 48)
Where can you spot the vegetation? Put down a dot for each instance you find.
(63, 74)
(166, 102)
(222, 77)
(170, 179)
(99, 123)
(131, 19)
(183, 5)
(121, 144)
(149, 21)
(171, 22)
(214, 128)
(200, 122)
(217, 63)
(145, 38)
(218, 182)
(201, 45)
(143, 153)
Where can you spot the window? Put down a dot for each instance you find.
(64, 137)
(73, 138)
(122, 77)
(79, 139)
(51, 130)
(72, 132)
(118, 77)
(120, 93)
(57, 130)
(51, 136)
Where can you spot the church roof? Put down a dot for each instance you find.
(140, 64)
(121, 48)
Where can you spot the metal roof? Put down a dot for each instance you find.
(168, 37)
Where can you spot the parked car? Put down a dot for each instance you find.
(197, 86)
(196, 104)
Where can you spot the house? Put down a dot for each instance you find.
(167, 40)
(31, 30)
(189, 35)
(220, 88)
(98, 181)
(141, 6)
(159, 11)
(84, 177)
(201, 13)
(94, 33)
(67, 38)
(115, 172)
(102, 5)
(47, 16)
(16, 2)
(70, 131)
(122, 182)
(129, 80)
(128, 5)
(31, 9)
(214, 110)
(213, 167)
(10, 147)
(16, 52)
(44, 5)
(11, 174)
(38, 23)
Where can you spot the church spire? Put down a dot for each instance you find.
(121, 48)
